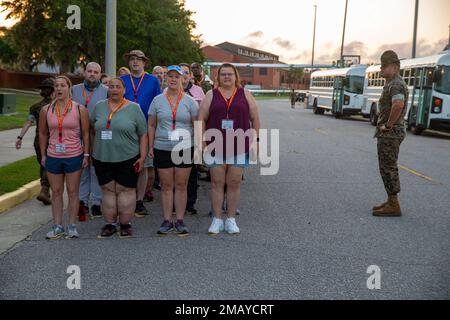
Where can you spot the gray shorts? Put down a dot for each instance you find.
(148, 163)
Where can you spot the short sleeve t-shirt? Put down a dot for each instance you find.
(81, 94)
(187, 110)
(149, 89)
(127, 125)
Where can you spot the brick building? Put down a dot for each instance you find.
(266, 78)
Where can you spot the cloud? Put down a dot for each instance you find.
(283, 43)
(256, 34)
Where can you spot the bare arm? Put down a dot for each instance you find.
(203, 115)
(254, 113)
(152, 121)
(85, 125)
(23, 132)
(396, 111)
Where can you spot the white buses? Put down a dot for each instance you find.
(428, 80)
(337, 90)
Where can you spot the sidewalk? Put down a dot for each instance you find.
(8, 152)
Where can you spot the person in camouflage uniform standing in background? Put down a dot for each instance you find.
(391, 132)
(47, 89)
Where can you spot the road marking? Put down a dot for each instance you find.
(318, 130)
(416, 173)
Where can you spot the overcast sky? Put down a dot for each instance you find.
(285, 27)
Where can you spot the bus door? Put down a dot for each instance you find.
(422, 99)
(338, 95)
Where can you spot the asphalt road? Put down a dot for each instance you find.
(307, 232)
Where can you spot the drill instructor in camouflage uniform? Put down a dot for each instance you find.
(47, 89)
(391, 132)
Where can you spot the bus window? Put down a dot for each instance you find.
(443, 83)
(428, 83)
(354, 84)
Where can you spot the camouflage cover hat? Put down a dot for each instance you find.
(389, 57)
(47, 83)
(136, 53)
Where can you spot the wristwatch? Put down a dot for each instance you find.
(19, 137)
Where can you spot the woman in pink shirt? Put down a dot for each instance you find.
(64, 143)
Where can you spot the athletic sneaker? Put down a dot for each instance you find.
(191, 211)
(217, 226)
(72, 232)
(56, 232)
(96, 212)
(181, 229)
(165, 228)
(107, 231)
(141, 211)
(126, 231)
(231, 226)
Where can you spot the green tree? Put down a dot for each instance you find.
(163, 29)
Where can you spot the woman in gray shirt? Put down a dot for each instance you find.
(171, 131)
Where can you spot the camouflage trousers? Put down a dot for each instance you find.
(42, 171)
(388, 150)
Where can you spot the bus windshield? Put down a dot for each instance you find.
(354, 84)
(443, 85)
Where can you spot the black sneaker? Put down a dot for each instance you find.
(126, 231)
(166, 228)
(141, 211)
(181, 229)
(107, 231)
(96, 212)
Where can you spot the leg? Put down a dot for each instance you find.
(167, 178)
(109, 203)
(57, 185)
(218, 175)
(151, 179)
(73, 190)
(95, 188)
(142, 185)
(85, 183)
(388, 151)
(126, 200)
(233, 181)
(181, 182)
(192, 188)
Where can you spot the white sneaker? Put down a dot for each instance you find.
(231, 226)
(217, 226)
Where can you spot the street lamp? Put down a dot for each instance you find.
(343, 35)
(314, 36)
(416, 17)
(111, 37)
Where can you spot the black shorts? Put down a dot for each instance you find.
(121, 172)
(163, 159)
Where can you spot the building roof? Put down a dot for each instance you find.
(234, 48)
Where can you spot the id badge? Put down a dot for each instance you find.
(227, 124)
(60, 148)
(174, 135)
(106, 135)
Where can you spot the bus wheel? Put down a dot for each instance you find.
(373, 116)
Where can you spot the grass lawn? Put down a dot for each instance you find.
(271, 97)
(23, 104)
(17, 174)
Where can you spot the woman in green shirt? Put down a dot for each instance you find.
(120, 145)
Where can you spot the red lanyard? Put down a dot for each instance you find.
(174, 108)
(136, 91)
(228, 102)
(61, 118)
(111, 114)
(86, 98)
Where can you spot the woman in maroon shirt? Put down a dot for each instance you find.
(229, 112)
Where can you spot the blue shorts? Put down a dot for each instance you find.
(64, 165)
(239, 161)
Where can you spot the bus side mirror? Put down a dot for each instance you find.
(437, 76)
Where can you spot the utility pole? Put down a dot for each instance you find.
(111, 37)
(416, 17)
(314, 36)
(343, 35)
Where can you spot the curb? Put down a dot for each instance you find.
(12, 199)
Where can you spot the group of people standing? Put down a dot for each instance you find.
(105, 137)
